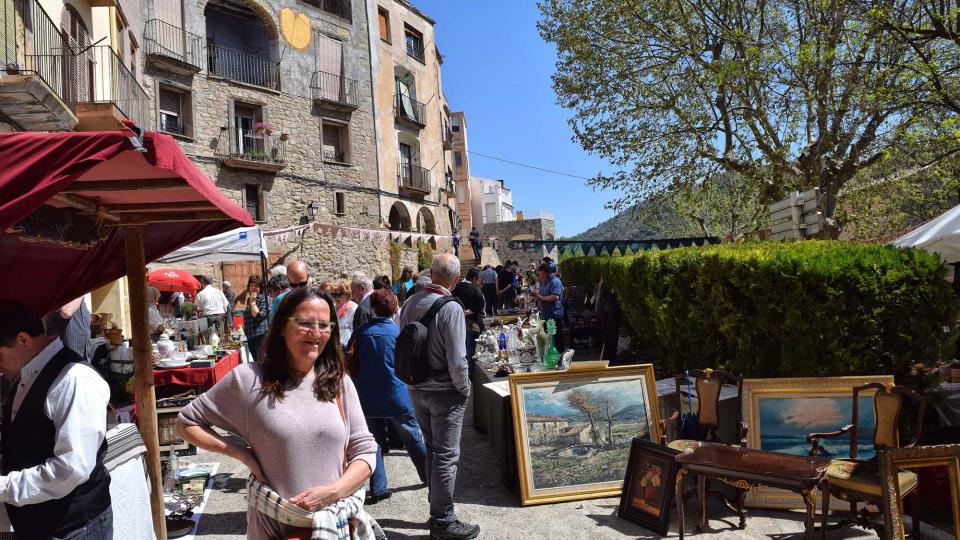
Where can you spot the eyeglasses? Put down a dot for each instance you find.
(307, 325)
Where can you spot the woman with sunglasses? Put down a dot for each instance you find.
(255, 312)
(298, 411)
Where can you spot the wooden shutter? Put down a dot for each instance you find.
(384, 18)
(329, 60)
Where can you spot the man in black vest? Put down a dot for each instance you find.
(53, 439)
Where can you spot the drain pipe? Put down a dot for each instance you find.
(374, 61)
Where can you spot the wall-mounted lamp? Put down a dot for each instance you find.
(312, 210)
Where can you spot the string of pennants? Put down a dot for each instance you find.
(590, 247)
(343, 231)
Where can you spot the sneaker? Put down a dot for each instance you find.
(374, 499)
(455, 530)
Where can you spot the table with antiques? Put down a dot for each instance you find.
(198, 377)
(744, 468)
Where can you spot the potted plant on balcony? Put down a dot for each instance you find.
(263, 128)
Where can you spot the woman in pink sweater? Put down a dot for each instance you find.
(297, 410)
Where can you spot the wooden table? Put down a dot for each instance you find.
(744, 468)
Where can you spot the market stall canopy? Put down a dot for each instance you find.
(169, 280)
(65, 199)
(243, 244)
(939, 235)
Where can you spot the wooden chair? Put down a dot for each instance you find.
(857, 480)
(708, 383)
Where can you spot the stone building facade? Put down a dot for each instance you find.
(499, 235)
(412, 122)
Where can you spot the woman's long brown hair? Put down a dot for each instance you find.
(277, 374)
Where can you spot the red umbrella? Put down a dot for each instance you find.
(169, 280)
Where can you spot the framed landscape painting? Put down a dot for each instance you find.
(648, 488)
(574, 429)
(780, 413)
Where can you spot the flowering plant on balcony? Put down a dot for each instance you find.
(263, 127)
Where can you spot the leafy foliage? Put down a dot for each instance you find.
(424, 255)
(783, 309)
(787, 95)
(396, 250)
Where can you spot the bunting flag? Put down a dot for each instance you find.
(607, 247)
(343, 231)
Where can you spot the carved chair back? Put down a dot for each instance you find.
(708, 383)
(888, 403)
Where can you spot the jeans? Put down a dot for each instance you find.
(441, 418)
(98, 528)
(409, 430)
(476, 252)
(253, 343)
(508, 298)
(490, 297)
(456, 250)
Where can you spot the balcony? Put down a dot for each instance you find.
(242, 67)
(32, 88)
(172, 124)
(447, 138)
(340, 8)
(172, 49)
(335, 93)
(103, 91)
(409, 112)
(255, 150)
(412, 179)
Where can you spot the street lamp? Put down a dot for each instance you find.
(312, 210)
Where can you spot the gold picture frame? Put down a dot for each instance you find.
(569, 425)
(774, 398)
(912, 458)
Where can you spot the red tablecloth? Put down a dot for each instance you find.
(197, 376)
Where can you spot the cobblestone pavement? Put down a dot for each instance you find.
(481, 499)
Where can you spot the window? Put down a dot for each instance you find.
(253, 201)
(334, 141)
(460, 197)
(248, 139)
(340, 8)
(133, 54)
(458, 159)
(340, 203)
(174, 110)
(384, 17)
(455, 124)
(414, 42)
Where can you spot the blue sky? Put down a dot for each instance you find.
(497, 70)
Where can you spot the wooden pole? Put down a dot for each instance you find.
(143, 372)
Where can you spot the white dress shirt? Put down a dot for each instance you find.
(211, 301)
(77, 406)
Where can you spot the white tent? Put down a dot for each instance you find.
(940, 235)
(243, 244)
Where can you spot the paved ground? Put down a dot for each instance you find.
(481, 499)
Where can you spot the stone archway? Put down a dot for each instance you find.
(426, 223)
(399, 219)
(262, 10)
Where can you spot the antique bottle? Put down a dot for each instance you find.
(552, 357)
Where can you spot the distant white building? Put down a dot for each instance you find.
(545, 429)
(492, 200)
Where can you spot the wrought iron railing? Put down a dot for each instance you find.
(242, 67)
(111, 82)
(252, 145)
(330, 87)
(340, 8)
(165, 39)
(406, 108)
(171, 124)
(38, 47)
(331, 154)
(413, 176)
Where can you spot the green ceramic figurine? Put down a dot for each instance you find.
(552, 358)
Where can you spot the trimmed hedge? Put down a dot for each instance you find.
(783, 309)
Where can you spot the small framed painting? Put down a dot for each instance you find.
(648, 488)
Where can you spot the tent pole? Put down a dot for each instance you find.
(143, 371)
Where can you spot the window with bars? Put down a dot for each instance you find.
(414, 42)
(253, 201)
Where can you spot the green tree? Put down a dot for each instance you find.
(583, 401)
(788, 94)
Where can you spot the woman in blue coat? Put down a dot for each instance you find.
(383, 396)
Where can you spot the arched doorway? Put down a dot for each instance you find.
(399, 217)
(425, 222)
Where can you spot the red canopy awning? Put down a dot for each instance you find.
(100, 175)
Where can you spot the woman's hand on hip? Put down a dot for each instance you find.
(245, 455)
(316, 498)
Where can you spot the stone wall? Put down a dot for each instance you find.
(498, 236)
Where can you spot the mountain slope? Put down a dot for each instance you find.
(645, 220)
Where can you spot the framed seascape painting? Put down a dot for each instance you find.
(780, 413)
(648, 488)
(574, 429)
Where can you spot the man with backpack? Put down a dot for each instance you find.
(431, 360)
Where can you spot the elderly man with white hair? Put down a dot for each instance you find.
(361, 287)
(153, 312)
(441, 400)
